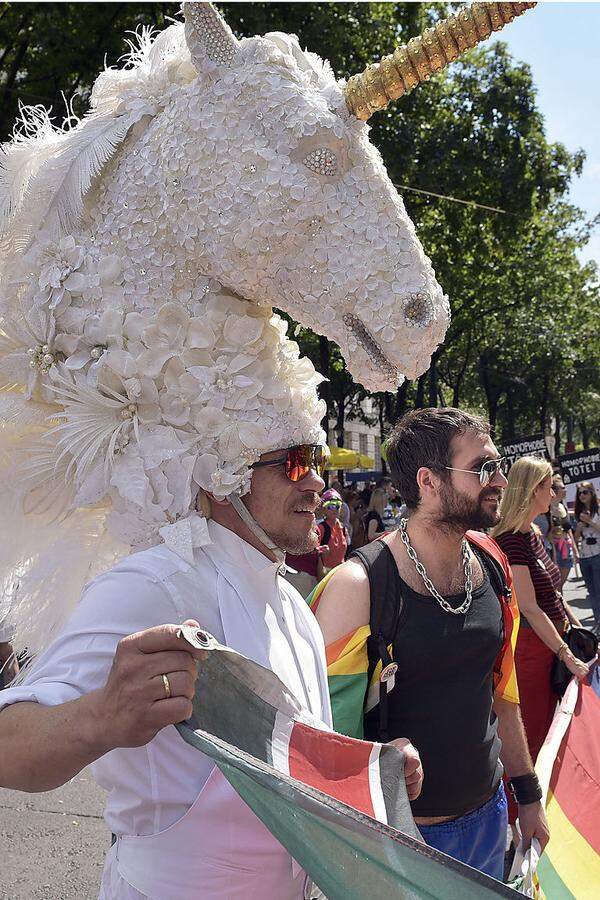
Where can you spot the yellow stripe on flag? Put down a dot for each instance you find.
(348, 655)
(574, 860)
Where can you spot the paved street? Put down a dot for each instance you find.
(53, 844)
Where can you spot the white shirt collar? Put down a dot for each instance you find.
(232, 550)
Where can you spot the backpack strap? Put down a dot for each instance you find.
(495, 563)
(385, 608)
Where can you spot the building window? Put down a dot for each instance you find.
(363, 445)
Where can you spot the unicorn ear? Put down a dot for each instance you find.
(208, 36)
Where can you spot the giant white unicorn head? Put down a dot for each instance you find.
(144, 249)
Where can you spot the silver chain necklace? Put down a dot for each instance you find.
(427, 580)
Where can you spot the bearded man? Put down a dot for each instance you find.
(426, 614)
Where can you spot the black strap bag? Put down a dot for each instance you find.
(583, 644)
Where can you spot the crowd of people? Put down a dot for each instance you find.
(469, 586)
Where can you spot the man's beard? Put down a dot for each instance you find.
(460, 513)
(294, 543)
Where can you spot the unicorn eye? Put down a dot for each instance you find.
(323, 161)
(322, 153)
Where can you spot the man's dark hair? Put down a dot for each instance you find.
(422, 438)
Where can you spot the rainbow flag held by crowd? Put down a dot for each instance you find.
(337, 804)
(568, 767)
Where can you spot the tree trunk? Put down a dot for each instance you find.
(401, 394)
(324, 387)
(456, 395)
(433, 381)
(557, 436)
(544, 404)
(510, 414)
(492, 397)
(420, 397)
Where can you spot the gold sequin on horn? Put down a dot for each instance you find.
(416, 61)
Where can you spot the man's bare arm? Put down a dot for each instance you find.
(517, 761)
(344, 604)
(42, 747)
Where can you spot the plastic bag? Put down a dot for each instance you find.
(523, 876)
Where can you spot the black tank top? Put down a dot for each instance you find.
(442, 697)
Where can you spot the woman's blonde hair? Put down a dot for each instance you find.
(524, 477)
(378, 500)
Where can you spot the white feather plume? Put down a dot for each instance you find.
(46, 172)
(53, 198)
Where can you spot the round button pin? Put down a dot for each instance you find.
(388, 671)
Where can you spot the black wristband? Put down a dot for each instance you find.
(526, 788)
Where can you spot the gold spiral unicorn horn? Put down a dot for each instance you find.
(416, 61)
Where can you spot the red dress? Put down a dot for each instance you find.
(533, 659)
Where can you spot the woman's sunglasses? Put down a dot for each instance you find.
(299, 461)
(583, 491)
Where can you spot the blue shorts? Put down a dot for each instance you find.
(478, 838)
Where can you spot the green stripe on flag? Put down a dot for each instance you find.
(347, 694)
(550, 881)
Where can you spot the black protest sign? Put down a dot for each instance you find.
(534, 445)
(581, 466)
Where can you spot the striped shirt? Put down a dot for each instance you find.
(528, 550)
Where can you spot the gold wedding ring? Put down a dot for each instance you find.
(167, 685)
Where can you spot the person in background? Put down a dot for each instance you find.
(333, 537)
(537, 583)
(308, 570)
(543, 523)
(357, 514)
(373, 520)
(345, 513)
(566, 553)
(587, 535)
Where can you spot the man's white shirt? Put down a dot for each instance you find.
(237, 595)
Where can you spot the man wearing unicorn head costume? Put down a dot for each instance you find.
(161, 432)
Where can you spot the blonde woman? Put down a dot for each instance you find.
(374, 517)
(537, 583)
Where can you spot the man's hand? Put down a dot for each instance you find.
(413, 770)
(133, 705)
(533, 824)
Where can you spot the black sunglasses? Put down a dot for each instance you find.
(299, 461)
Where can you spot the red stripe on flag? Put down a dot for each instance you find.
(332, 763)
(575, 780)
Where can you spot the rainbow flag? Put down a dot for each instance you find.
(568, 767)
(338, 805)
(348, 661)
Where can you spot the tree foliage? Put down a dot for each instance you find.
(523, 345)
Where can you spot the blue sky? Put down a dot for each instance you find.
(561, 43)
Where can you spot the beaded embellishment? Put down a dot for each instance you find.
(370, 345)
(211, 30)
(418, 310)
(322, 161)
